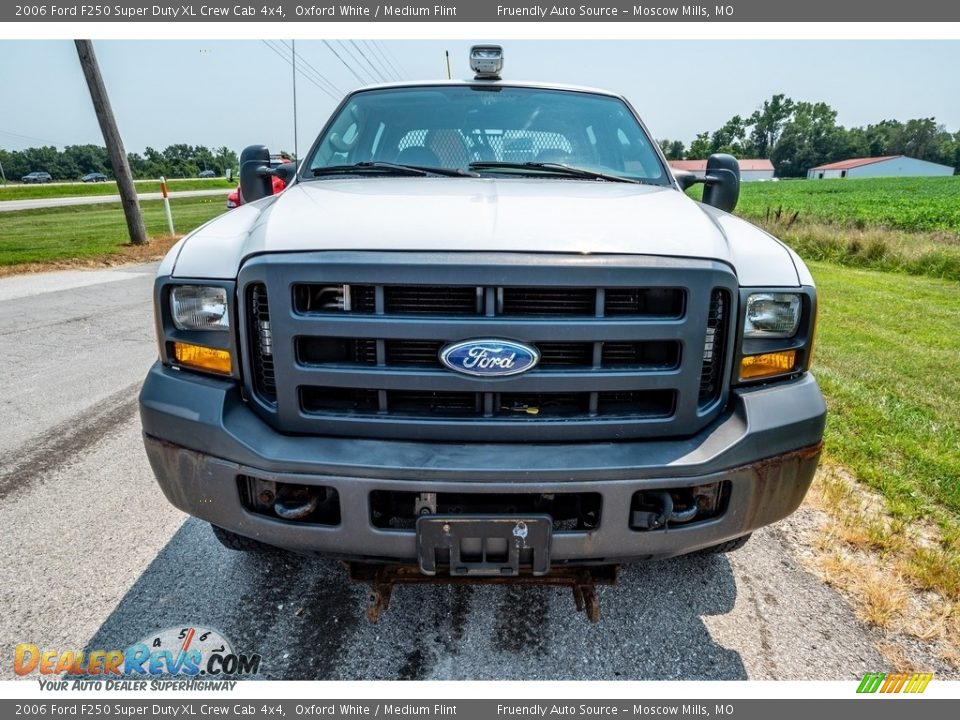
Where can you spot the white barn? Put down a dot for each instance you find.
(750, 169)
(886, 166)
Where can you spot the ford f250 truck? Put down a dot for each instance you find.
(484, 333)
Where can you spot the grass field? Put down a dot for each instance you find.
(88, 231)
(33, 192)
(888, 357)
(888, 362)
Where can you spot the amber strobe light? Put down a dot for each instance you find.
(202, 358)
(767, 365)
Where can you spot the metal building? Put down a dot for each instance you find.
(885, 166)
(750, 168)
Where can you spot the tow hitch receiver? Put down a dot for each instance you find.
(582, 581)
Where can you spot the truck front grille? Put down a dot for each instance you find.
(261, 335)
(711, 375)
(334, 351)
(350, 342)
(529, 407)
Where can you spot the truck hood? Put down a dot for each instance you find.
(484, 214)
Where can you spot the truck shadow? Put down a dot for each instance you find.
(307, 621)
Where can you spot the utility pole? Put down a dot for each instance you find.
(111, 137)
(293, 51)
(449, 74)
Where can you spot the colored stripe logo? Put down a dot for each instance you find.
(894, 682)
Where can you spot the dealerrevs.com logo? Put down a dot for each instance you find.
(192, 653)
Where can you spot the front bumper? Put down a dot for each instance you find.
(200, 435)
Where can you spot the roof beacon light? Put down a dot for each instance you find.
(486, 61)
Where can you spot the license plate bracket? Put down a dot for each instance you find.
(484, 545)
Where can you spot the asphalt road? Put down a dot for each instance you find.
(91, 554)
(39, 203)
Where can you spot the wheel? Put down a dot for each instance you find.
(240, 543)
(728, 546)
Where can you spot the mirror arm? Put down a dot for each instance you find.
(687, 180)
(285, 172)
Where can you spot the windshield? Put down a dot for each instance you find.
(488, 130)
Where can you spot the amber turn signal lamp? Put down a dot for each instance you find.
(753, 367)
(202, 358)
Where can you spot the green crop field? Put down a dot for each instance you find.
(909, 225)
(911, 204)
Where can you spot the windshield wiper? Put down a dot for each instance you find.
(392, 169)
(558, 168)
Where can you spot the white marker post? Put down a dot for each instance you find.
(166, 204)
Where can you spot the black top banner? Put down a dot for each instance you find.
(485, 11)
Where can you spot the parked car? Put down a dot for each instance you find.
(484, 333)
(234, 199)
(36, 177)
(94, 177)
(207, 174)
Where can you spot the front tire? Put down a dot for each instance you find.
(727, 547)
(240, 543)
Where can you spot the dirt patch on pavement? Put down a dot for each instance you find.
(883, 566)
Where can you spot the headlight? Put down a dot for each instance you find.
(772, 315)
(199, 307)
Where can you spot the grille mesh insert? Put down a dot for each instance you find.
(261, 331)
(711, 375)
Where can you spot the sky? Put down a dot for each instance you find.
(237, 93)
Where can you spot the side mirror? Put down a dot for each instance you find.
(685, 179)
(721, 181)
(722, 188)
(286, 172)
(255, 182)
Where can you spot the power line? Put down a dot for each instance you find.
(389, 53)
(374, 50)
(373, 77)
(282, 49)
(390, 72)
(319, 76)
(287, 60)
(30, 137)
(358, 65)
(383, 77)
(345, 64)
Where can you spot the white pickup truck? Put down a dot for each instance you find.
(484, 333)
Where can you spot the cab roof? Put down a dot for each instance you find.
(487, 83)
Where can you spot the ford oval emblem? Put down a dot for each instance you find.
(489, 357)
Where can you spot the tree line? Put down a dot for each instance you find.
(796, 135)
(75, 161)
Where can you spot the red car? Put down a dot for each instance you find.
(234, 199)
